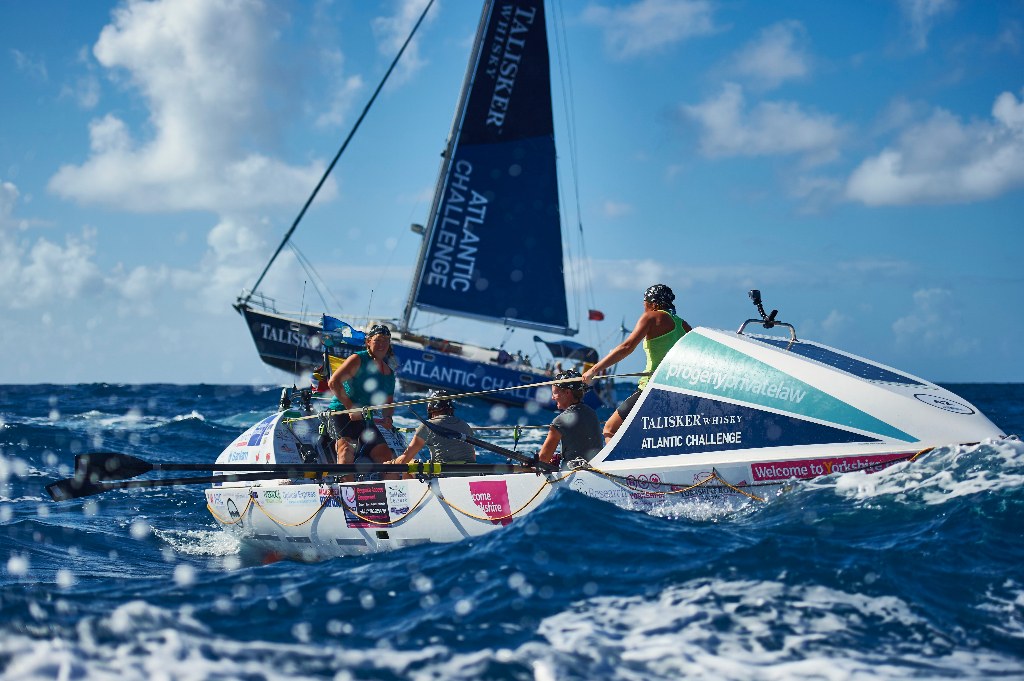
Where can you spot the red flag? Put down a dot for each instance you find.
(596, 316)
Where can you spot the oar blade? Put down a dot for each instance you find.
(97, 466)
(72, 488)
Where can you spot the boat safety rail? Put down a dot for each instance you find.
(379, 407)
(792, 331)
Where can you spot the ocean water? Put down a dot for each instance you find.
(913, 572)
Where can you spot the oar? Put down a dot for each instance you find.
(476, 442)
(103, 471)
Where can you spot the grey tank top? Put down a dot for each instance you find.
(445, 450)
(581, 432)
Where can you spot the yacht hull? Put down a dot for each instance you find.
(293, 347)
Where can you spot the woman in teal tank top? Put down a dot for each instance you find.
(659, 328)
(365, 379)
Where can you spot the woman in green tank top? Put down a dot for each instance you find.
(659, 328)
(365, 379)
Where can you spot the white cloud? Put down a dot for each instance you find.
(31, 274)
(611, 209)
(922, 15)
(8, 197)
(391, 32)
(637, 275)
(36, 69)
(834, 323)
(650, 25)
(86, 91)
(1009, 39)
(202, 69)
(943, 160)
(46, 273)
(933, 323)
(834, 326)
(345, 88)
(769, 128)
(774, 56)
(817, 192)
(364, 273)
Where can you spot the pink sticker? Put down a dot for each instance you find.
(809, 468)
(492, 498)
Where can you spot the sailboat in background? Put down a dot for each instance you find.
(492, 245)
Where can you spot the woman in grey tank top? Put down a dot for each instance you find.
(577, 428)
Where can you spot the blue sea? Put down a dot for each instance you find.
(913, 572)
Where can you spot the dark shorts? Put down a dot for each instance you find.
(364, 433)
(628, 404)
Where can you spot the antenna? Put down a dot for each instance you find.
(298, 329)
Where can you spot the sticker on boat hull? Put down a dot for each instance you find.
(810, 468)
(491, 497)
(670, 423)
(259, 430)
(365, 503)
(944, 403)
(700, 364)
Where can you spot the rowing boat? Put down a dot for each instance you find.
(728, 417)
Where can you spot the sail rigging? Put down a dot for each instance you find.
(247, 295)
(493, 250)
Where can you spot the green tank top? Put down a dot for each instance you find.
(657, 348)
(368, 380)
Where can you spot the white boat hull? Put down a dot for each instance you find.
(726, 418)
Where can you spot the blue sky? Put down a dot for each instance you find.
(861, 163)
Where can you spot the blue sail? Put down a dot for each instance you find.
(494, 248)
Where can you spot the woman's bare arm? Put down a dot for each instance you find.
(547, 450)
(343, 373)
(623, 350)
(412, 450)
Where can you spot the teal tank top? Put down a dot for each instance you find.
(367, 381)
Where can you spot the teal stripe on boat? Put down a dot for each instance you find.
(700, 364)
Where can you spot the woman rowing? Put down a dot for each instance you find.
(365, 379)
(659, 328)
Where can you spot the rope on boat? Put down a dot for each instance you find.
(324, 503)
(910, 458)
(923, 451)
(236, 520)
(504, 517)
(252, 498)
(714, 476)
(379, 407)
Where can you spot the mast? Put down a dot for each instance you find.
(442, 174)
